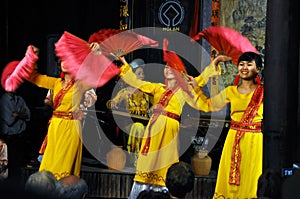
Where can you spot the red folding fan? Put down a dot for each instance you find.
(96, 70)
(16, 72)
(120, 42)
(103, 34)
(226, 40)
(78, 59)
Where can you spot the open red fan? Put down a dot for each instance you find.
(96, 70)
(121, 42)
(103, 34)
(78, 59)
(226, 40)
(16, 72)
(72, 50)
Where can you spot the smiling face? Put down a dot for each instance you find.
(247, 69)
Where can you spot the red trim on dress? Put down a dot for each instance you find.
(249, 114)
(163, 102)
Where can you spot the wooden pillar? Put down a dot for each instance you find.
(281, 86)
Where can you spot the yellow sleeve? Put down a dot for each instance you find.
(214, 103)
(209, 71)
(130, 78)
(43, 81)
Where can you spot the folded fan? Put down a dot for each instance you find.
(120, 42)
(92, 68)
(226, 40)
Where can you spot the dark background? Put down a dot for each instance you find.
(40, 23)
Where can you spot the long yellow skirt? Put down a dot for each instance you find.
(63, 153)
(251, 146)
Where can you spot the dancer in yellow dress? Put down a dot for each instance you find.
(63, 153)
(159, 149)
(242, 157)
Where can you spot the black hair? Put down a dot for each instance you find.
(269, 184)
(180, 179)
(41, 183)
(76, 190)
(250, 56)
(150, 194)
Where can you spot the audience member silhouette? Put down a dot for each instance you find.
(150, 194)
(269, 185)
(41, 184)
(180, 179)
(72, 187)
(14, 115)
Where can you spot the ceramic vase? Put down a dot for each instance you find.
(116, 158)
(201, 163)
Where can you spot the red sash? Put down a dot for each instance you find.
(159, 110)
(60, 95)
(56, 103)
(249, 114)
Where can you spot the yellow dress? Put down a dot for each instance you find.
(163, 149)
(63, 153)
(251, 146)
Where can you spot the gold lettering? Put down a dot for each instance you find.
(124, 11)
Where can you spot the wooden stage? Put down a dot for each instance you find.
(105, 183)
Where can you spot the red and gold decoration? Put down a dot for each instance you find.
(124, 15)
(215, 21)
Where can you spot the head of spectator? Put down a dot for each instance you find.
(150, 194)
(72, 187)
(137, 66)
(41, 184)
(269, 185)
(180, 179)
